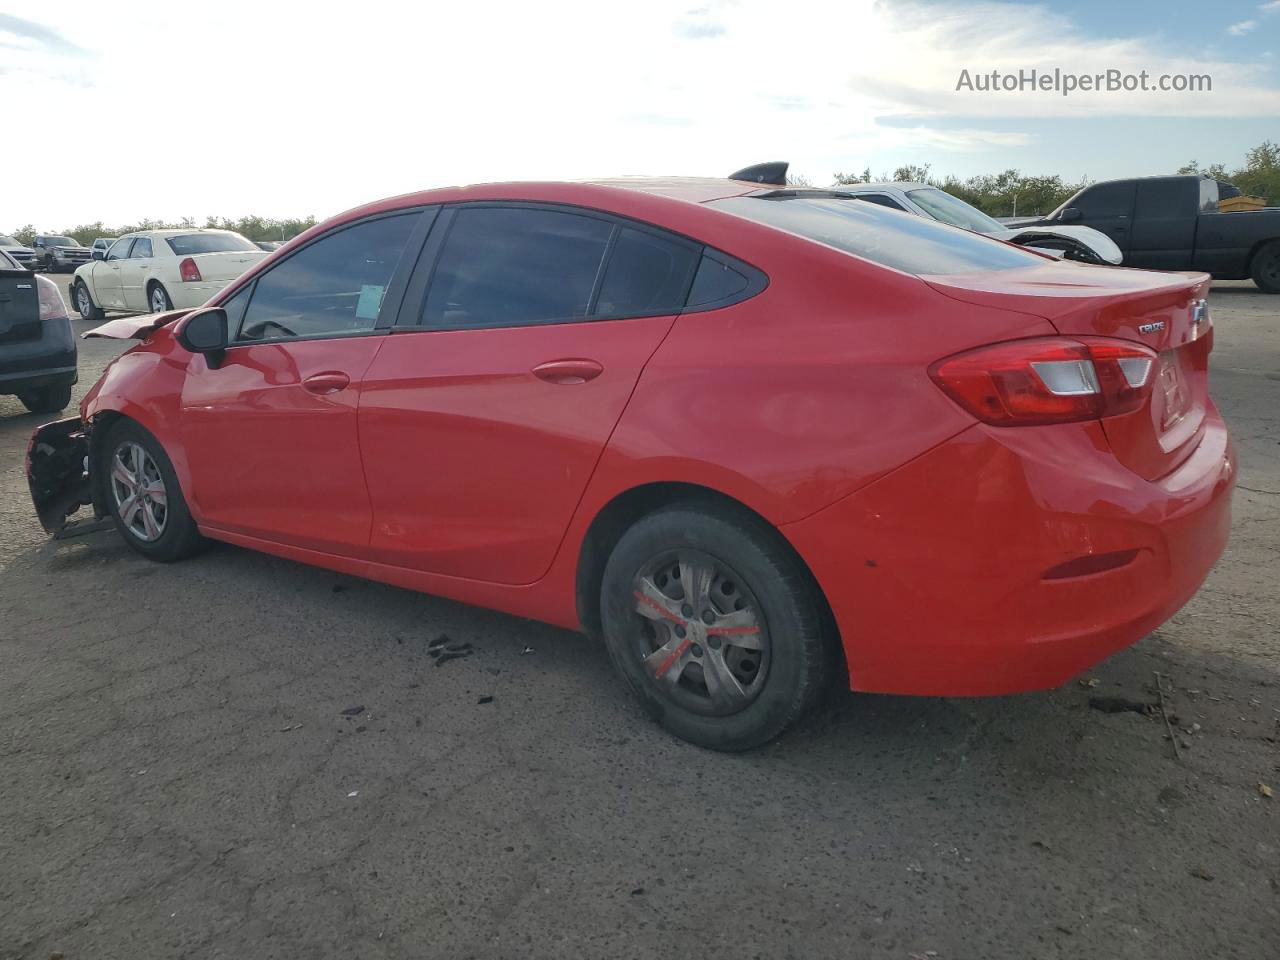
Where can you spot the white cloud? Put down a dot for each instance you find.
(1243, 27)
(1272, 7)
(169, 110)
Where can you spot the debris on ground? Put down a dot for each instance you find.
(291, 728)
(527, 650)
(1265, 790)
(1201, 873)
(1122, 705)
(1168, 721)
(353, 793)
(442, 649)
(485, 700)
(353, 711)
(1090, 682)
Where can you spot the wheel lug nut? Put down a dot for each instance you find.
(680, 631)
(696, 650)
(687, 610)
(708, 616)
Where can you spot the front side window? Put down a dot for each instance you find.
(331, 287)
(1102, 200)
(191, 244)
(913, 245)
(120, 249)
(141, 248)
(511, 266)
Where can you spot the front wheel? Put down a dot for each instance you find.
(158, 299)
(716, 626)
(84, 303)
(143, 495)
(1266, 268)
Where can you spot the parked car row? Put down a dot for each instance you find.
(757, 439)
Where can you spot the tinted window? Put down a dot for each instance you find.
(331, 287)
(1105, 200)
(235, 306)
(716, 281)
(1165, 198)
(120, 249)
(59, 242)
(645, 274)
(943, 206)
(881, 200)
(510, 266)
(9, 241)
(141, 248)
(911, 244)
(190, 244)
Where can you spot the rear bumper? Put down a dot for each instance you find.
(186, 295)
(48, 360)
(936, 572)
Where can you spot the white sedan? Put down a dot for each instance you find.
(156, 270)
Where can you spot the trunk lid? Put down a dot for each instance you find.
(1166, 312)
(19, 306)
(226, 264)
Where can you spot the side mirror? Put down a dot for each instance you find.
(206, 332)
(1070, 215)
(99, 254)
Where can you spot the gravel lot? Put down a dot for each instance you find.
(177, 777)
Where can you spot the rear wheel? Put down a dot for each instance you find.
(1265, 270)
(143, 495)
(84, 303)
(47, 399)
(715, 626)
(158, 299)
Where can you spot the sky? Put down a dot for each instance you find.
(163, 110)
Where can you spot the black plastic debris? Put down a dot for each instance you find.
(485, 700)
(353, 711)
(443, 649)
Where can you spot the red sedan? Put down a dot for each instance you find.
(755, 438)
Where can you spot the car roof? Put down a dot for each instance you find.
(174, 233)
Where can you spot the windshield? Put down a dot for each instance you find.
(911, 244)
(60, 242)
(193, 243)
(8, 241)
(943, 206)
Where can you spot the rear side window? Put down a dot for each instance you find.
(1165, 198)
(646, 274)
(511, 266)
(911, 244)
(141, 248)
(331, 287)
(716, 282)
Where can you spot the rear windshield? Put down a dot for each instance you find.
(911, 244)
(943, 206)
(192, 243)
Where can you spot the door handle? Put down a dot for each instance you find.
(331, 381)
(568, 371)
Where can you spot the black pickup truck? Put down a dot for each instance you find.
(1173, 223)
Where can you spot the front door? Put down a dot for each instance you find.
(485, 413)
(106, 276)
(271, 432)
(134, 274)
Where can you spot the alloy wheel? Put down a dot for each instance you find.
(82, 301)
(137, 486)
(159, 302)
(700, 633)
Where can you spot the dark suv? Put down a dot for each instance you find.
(55, 252)
(37, 349)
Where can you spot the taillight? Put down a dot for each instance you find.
(188, 271)
(1048, 380)
(52, 305)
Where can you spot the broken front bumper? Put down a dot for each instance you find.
(58, 471)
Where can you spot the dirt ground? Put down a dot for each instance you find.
(184, 772)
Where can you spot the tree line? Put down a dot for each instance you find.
(254, 228)
(1006, 194)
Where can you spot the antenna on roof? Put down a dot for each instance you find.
(774, 172)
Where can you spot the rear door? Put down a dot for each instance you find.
(1164, 223)
(520, 342)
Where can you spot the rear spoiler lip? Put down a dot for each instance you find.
(135, 328)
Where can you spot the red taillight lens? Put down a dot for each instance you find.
(50, 297)
(188, 270)
(1048, 380)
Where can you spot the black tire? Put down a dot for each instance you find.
(178, 537)
(47, 399)
(157, 291)
(48, 265)
(84, 302)
(796, 656)
(1265, 269)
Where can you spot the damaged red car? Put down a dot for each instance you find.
(758, 439)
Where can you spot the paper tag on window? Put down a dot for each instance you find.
(369, 302)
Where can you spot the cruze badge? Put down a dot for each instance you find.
(1151, 327)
